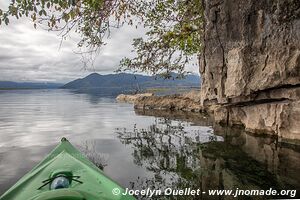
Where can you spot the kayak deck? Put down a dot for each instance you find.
(89, 183)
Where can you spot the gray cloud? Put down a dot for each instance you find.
(27, 54)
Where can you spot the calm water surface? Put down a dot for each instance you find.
(138, 149)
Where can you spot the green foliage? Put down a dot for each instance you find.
(174, 37)
(174, 27)
(91, 18)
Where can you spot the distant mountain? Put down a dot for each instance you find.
(28, 85)
(130, 82)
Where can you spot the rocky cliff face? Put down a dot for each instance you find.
(251, 64)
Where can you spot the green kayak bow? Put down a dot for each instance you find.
(65, 174)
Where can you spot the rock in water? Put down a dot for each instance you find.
(131, 98)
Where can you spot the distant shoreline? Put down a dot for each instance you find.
(29, 89)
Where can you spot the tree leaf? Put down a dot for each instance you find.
(6, 21)
(33, 17)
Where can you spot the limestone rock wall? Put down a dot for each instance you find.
(130, 98)
(251, 64)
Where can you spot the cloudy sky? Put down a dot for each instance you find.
(27, 54)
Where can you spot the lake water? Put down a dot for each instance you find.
(139, 149)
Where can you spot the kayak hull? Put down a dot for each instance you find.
(86, 180)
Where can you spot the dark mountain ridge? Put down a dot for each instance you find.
(130, 81)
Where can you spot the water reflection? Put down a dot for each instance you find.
(196, 118)
(169, 150)
(94, 96)
(32, 122)
(140, 149)
(16, 161)
(280, 159)
(179, 159)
